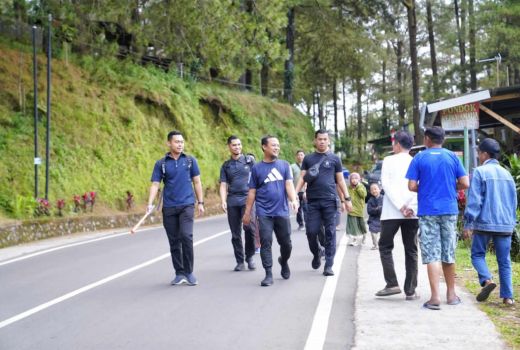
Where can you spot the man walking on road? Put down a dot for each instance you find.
(399, 212)
(491, 215)
(234, 176)
(178, 171)
(324, 172)
(271, 185)
(296, 170)
(436, 173)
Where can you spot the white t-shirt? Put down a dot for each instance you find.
(395, 185)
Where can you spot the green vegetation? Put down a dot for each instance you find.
(109, 124)
(506, 319)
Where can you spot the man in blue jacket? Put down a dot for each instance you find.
(491, 214)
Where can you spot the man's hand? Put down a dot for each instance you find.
(246, 219)
(342, 207)
(150, 208)
(200, 207)
(224, 206)
(407, 212)
(294, 205)
(348, 206)
(467, 233)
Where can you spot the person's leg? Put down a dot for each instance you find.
(502, 249)
(478, 257)
(186, 228)
(328, 217)
(266, 241)
(448, 231)
(235, 222)
(313, 226)
(249, 236)
(282, 230)
(430, 242)
(409, 229)
(386, 245)
(299, 214)
(171, 225)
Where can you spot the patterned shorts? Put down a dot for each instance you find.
(438, 238)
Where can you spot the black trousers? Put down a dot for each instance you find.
(302, 209)
(321, 220)
(178, 222)
(234, 215)
(409, 229)
(281, 226)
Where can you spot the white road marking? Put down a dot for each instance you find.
(320, 323)
(97, 284)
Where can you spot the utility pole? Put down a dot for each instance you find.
(47, 145)
(496, 59)
(37, 160)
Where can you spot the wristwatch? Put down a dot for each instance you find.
(347, 199)
(200, 203)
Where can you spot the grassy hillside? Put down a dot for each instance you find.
(109, 124)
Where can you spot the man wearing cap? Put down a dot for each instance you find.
(398, 213)
(491, 215)
(436, 174)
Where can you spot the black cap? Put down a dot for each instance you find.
(489, 146)
(435, 133)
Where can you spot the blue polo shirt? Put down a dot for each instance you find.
(436, 170)
(269, 181)
(235, 173)
(178, 188)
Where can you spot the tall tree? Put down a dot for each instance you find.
(433, 54)
(289, 63)
(460, 18)
(472, 46)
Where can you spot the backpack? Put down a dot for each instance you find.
(163, 165)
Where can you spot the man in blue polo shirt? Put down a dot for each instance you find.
(234, 176)
(270, 185)
(436, 174)
(178, 171)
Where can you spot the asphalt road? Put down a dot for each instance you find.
(113, 292)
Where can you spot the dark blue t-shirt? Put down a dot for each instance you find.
(269, 181)
(324, 187)
(178, 188)
(436, 170)
(235, 173)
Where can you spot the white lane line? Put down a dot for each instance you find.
(320, 323)
(96, 284)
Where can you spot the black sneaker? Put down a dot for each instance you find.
(268, 280)
(240, 267)
(301, 228)
(251, 264)
(286, 272)
(327, 271)
(316, 262)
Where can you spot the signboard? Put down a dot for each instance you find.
(460, 117)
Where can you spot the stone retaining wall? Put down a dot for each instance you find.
(27, 231)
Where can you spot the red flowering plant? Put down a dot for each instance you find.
(77, 202)
(43, 207)
(60, 204)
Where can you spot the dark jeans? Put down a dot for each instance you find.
(302, 210)
(281, 226)
(234, 215)
(322, 213)
(409, 229)
(178, 222)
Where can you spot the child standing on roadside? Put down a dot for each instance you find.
(355, 220)
(374, 207)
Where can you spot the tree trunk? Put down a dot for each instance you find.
(344, 106)
(385, 125)
(412, 32)
(289, 63)
(321, 117)
(433, 55)
(264, 79)
(359, 105)
(401, 107)
(249, 79)
(335, 104)
(460, 15)
(472, 46)
(517, 76)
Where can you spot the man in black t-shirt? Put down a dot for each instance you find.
(234, 177)
(321, 199)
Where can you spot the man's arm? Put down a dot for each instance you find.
(291, 194)
(223, 196)
(246, 219)
(154, 188)
(463, 182)
(301, 182)
(413, 186)
(340, 181)
(197, 184)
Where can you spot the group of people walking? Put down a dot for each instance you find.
(420, 200)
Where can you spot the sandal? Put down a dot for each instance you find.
(455, 301)
(429, 306)
(508, 301)
(485, 291)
